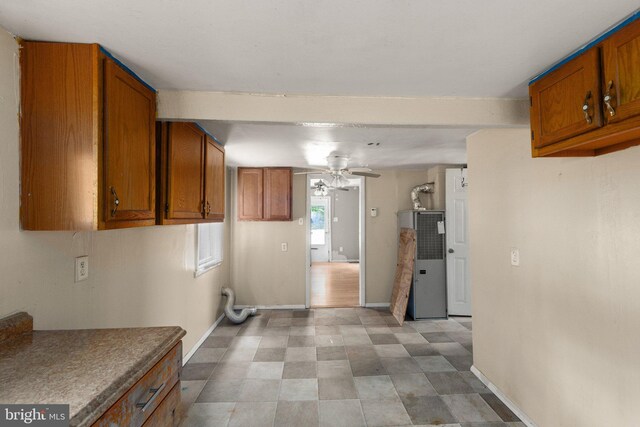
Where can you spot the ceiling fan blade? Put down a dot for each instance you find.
(340, 189)
(313, 172)
(358, 170)
(369, 174)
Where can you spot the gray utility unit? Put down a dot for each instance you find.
(428, 297)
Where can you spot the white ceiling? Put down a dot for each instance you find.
(279, 144)
(467, 48)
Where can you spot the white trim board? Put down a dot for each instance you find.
(272, 307)
(500, 395)
(197, 345)
(377, 304)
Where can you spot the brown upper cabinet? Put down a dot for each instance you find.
(591, 104)
(87, 140)
(264, 194)
(191, 175)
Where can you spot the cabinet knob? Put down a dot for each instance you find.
(585, 108)
(608, 99)
(451, 250)
(116, 201)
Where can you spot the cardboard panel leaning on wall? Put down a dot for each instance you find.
(554, 334)
(137, 277)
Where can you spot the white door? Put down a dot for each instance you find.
(320, 220)
(458, 286)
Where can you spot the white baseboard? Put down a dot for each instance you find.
(197, 345)
(272, 307)
(377, 304)
(491, 386)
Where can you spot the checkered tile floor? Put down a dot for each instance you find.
(338, 367)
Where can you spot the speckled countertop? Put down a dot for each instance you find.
(87, 369)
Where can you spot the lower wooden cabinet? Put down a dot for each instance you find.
(264, 194)
(191, 175)
(153, 400)
(168, 412)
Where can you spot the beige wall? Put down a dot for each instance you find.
(558, 334)
(138, 277)
(262, 274)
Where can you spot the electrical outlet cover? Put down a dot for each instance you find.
(515, 256)
(82, 268)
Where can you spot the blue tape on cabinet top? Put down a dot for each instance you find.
(633, 17)
(205, 131)
(127, 69)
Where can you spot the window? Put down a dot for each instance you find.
(210, 241)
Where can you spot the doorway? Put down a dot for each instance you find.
(335, 243)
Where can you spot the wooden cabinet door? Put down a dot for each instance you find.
(277, 194)
(59, 136)
(557, 101)
(185, 160)
(214, 180)
(621, 65)
(129, 149)
(250, 191)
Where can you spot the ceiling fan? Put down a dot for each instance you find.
(321, 188)
(337, 168)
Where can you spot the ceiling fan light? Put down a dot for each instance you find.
(339, 181)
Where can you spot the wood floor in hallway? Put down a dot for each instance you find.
(335, 284)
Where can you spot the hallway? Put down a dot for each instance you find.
(335, 284)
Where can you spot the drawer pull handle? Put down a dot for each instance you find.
(608, 98)
(156, 392)
(585, 108)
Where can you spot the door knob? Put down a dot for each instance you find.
(451, 251)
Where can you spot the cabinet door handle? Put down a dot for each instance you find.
(585, 108)
(208, 208)
(608, 99)
(116, 201)
(156, 392)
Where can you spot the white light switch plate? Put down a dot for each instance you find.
(515, 256)
(82, 268)
(285, 247)
(300, 221)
